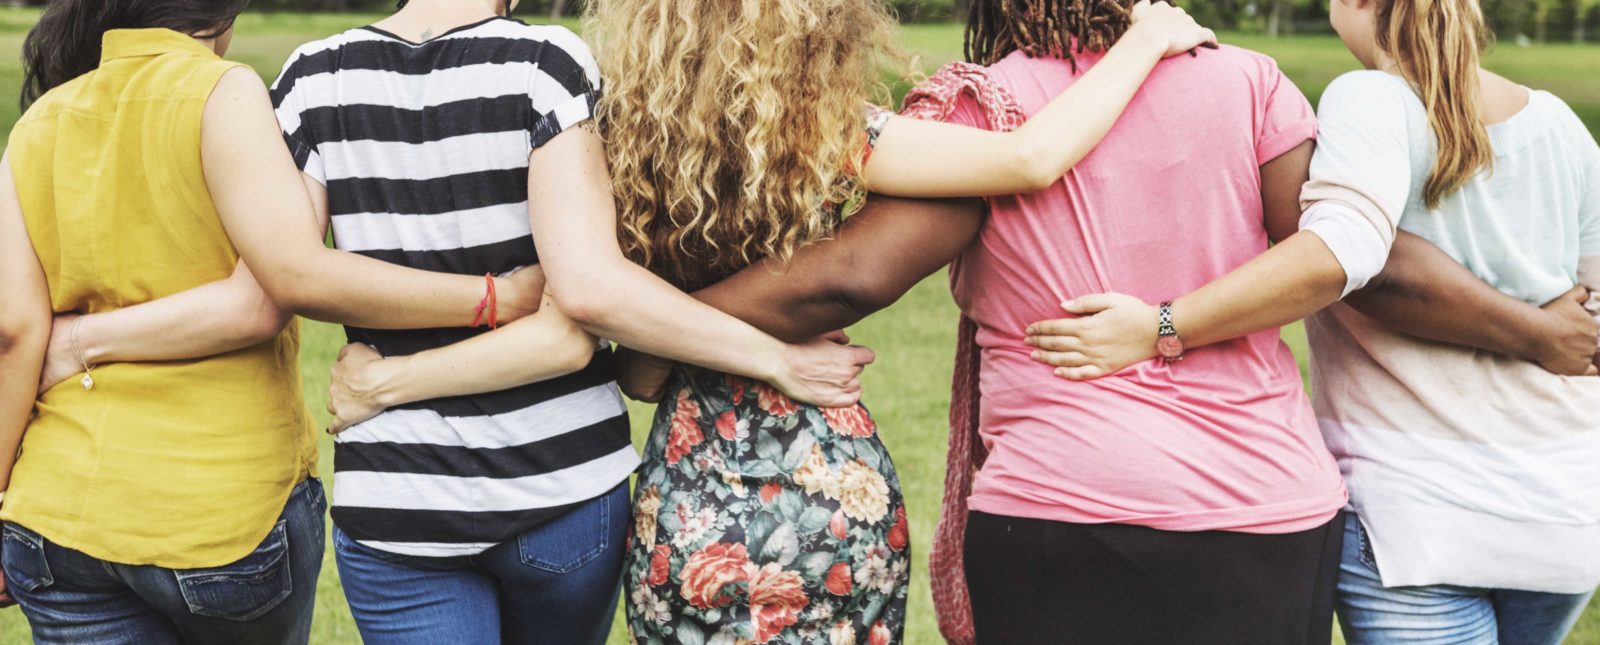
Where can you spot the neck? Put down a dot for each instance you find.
(209, 43)
(448, 13)
(1383, 62)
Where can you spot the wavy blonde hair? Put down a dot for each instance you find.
(732, 125)
(1437, 45)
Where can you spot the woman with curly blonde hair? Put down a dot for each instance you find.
(738, 131)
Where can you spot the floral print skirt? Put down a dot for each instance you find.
(758, 519)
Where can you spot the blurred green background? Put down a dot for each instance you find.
(908, 388)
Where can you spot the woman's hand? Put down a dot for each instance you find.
(1170, 27)
(1568, 345)
(641, 376)
(823, 372)
(1111, 332)
(519, 294)
(59, 362)
(355, 388)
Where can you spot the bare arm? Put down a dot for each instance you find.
(540, 347)
(270, 219)
(24, 324)
(1426, 293)
(917, 158)
(874, 258)
(1287, 282)
(216, 318)
(574, 225)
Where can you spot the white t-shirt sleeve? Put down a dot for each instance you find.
(1361, 173)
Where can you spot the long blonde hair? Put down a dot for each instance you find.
(1437, 45)
(731, 124)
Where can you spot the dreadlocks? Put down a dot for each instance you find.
(1044, 28)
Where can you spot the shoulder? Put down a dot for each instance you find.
(1552, 112)
(236, 89)
(319, 56)
(557, 51)
(1230, 60)
(330, 46)
(60, 97)
(553, 40)
(1367, 90)
(1557, 110)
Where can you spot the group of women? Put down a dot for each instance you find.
(1133, 457)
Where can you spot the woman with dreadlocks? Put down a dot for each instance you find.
(1172, 502)
(741, 131)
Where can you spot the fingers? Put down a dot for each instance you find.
(344, 351)
(1090, 304)
(838, 337)
(1057, 343)
(863, 356)
(847, 396)
(1062, 359)
(1057, 327)
(1592, 371)
(1082, 373)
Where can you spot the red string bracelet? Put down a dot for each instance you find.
(494, 303)
(489, 302)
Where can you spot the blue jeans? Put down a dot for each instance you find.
(557, 584)
(266, 597)
(1369, 614)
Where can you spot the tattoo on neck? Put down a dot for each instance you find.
(427, 33)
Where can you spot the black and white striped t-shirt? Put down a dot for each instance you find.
(424, 150)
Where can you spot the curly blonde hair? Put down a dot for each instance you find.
(733, 127)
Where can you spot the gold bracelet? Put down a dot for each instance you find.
(88, 380)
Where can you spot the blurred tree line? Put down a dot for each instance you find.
(1537, 20)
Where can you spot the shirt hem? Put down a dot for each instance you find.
(1271, 519)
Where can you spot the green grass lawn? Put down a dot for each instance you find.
(908, 388)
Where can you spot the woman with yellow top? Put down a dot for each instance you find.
(164, 498)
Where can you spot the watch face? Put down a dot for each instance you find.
(1169, 346)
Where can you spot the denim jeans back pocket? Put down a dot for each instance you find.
(246, 589)
(23, 556)
(568, 542)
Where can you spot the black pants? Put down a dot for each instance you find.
(1037, 581)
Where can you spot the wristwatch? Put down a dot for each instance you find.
(1168, 343)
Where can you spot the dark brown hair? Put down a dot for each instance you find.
(1044, 28)
(65, 43)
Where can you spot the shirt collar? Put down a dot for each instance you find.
(131, 43)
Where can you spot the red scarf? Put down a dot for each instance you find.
(934, 100)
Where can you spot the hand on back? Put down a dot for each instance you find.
(353, 385)
(1111, 332)
(1171, 26)
(823, 372)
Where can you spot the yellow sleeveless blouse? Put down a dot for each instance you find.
(180, 464)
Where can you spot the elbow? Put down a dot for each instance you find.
(1030, 168)
(588, 310)
(290, 291)
(20, 329)
(577, 353)
(263, 323)
(862, 293)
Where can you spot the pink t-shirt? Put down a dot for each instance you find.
(1225, 439)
